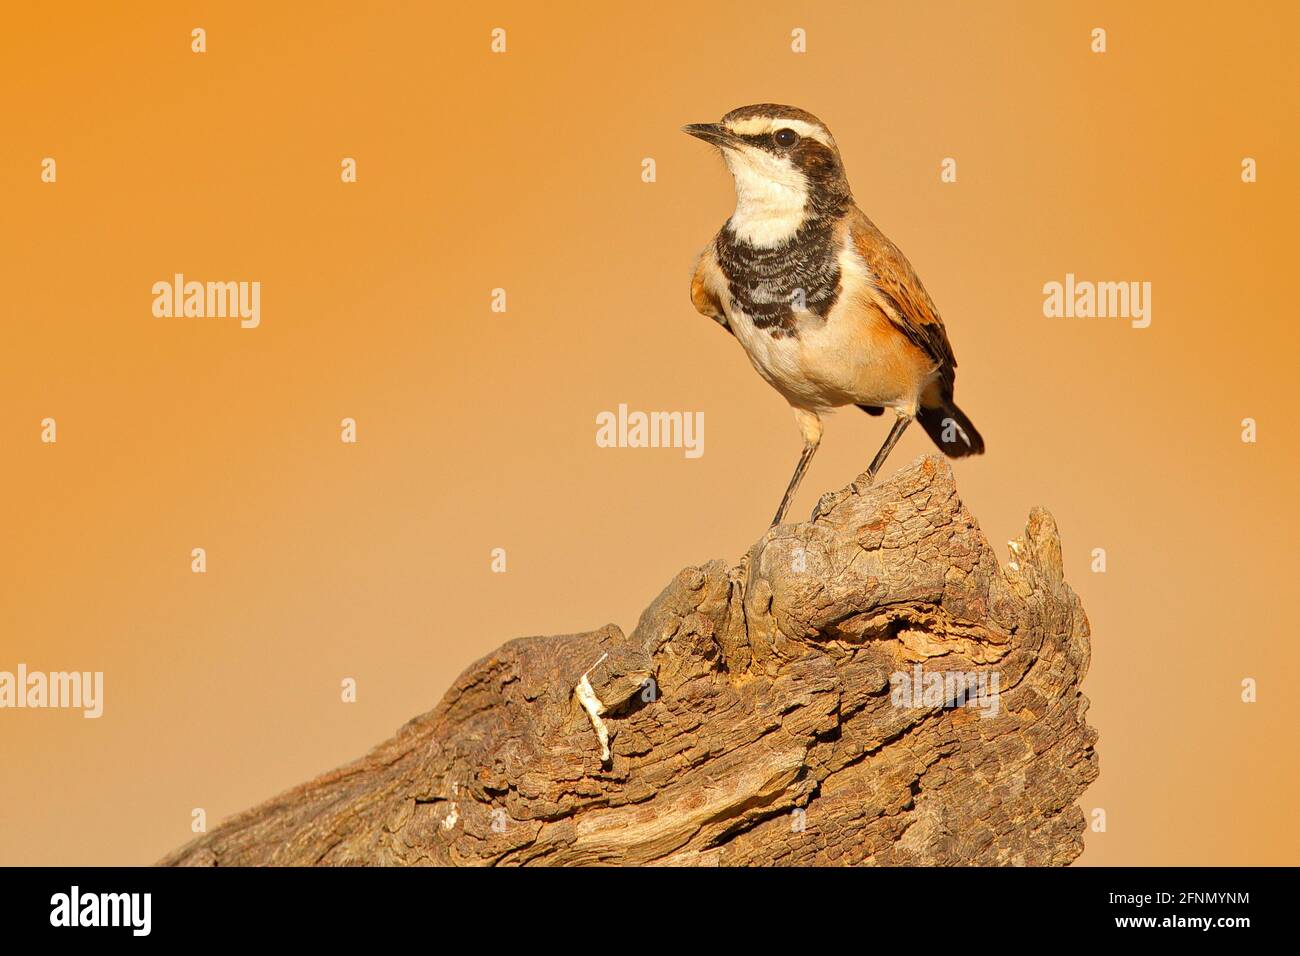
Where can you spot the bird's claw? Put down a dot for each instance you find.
(825, 504)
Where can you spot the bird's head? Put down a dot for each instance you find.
(785, 164)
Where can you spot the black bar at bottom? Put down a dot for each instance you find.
(598, 908)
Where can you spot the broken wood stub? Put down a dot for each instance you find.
(781, 712)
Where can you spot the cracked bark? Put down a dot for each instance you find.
(754, 718)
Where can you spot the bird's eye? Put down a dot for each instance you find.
(785, 137)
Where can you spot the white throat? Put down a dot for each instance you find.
(771, 196)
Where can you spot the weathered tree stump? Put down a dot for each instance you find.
(757, 715)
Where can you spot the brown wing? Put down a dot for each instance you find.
(707, 277)
(909, 306)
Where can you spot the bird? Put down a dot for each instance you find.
(827, 308)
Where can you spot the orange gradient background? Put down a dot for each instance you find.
(477, 430)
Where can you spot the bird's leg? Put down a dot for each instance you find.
(799, 469)
(811, 427)
(895, 433)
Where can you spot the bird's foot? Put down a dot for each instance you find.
(825, 504)
(863, 482)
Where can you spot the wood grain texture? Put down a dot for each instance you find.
(771, 694)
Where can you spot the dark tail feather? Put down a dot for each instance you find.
(951, 430)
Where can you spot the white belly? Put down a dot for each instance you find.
(778, 360)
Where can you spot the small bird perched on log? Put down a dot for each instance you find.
(828, 310)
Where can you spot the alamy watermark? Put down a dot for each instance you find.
(946, 689)
(133, 911)
(632, 429)
(211, 300)
(72, 690)
(1084, 299)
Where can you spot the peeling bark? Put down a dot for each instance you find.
(753, 717)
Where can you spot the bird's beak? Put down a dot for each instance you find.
(714, 133)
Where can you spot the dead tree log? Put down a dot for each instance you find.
(769, 713)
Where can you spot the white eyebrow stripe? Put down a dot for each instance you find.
(757, 125)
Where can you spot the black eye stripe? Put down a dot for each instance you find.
(765, 140)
